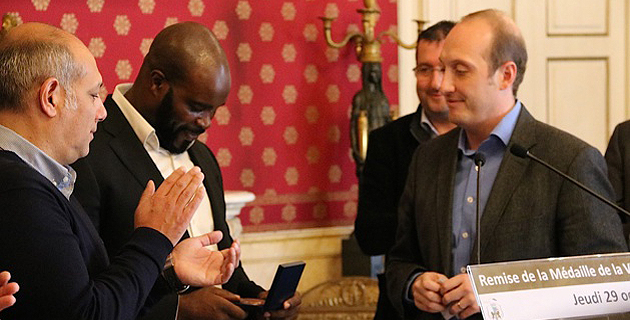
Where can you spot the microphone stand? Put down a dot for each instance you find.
(521, 152)
(480, 160)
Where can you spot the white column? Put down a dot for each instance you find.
(408, 10)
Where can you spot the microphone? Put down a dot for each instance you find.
(521, 152)
(480, 160)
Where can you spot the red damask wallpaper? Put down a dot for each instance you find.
(284, 133)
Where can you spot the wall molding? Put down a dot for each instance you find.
(320, 248)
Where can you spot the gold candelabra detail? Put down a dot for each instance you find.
(362, 129)
(367, 44)
(8, 22)
(370, 108)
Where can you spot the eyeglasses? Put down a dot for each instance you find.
(427, 71)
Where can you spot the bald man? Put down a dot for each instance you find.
(152, 129)
(49, 111)
(527, 211)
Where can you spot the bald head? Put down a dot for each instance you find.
(31, 53)
(49, 90)
(507, 42)
(183, 49)
(35, 31)
(184, 78)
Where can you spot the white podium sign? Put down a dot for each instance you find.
(554, 288)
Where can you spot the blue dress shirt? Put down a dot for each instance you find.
(63, 177)
(464, 213)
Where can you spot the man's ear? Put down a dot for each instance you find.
(50, 96)
(159, 84)
(507, 73)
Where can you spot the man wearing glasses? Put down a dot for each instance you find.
(389, 154)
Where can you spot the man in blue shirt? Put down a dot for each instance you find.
(526, 210)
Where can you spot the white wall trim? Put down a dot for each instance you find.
(408, 10)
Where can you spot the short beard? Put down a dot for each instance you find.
(164, 124)
(166, 127)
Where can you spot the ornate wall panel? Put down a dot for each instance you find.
(568, 93)
(577, 17)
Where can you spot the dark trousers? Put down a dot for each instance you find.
(384, 308)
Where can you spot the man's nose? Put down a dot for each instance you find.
(436, 79)
(205, 120)
(102, 112)
(447, 82)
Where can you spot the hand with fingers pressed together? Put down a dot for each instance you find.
(7, 290)
(458, 295)
(433, 292)
(170, 208)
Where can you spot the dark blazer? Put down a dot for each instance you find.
(531, 211)
(56, 256)
(111, 180)
(618, 160)
(389, 153)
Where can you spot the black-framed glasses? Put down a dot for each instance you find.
(426, 71)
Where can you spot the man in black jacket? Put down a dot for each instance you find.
(617, 158)
(151, 130)
(389, 153)
(49, 111)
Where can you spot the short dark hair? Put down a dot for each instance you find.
(182, 48)
(436, 32)
(507, 43)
